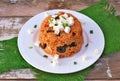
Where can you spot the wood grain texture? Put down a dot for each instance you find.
(33, 7)
(116, 5)
(18, 80)
(101, 67)
(10, 26)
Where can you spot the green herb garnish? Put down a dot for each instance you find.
(45, 56)
(51, 20)
(86, 45)
(35, 26)
(65, 24)
(91, 31)
(63, 17)
(30, 47)
(75, 62)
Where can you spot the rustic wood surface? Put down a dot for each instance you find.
(14, 13)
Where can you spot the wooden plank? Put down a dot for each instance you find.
(33, 7)
(103, 66)
(116, 5)
(18, 80)
(10, 26)
(18, 74)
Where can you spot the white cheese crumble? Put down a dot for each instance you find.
(65, 15)
(57, 30)
(55, 60)
(30, 31)
(56, 57)
(67, 29)
(54, 63)
(37, 43)
(70, 21)
(61, 23)
(96, 51)
(84, 57)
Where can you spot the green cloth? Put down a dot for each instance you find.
(10, 57)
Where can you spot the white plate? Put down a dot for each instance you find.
(35, 57)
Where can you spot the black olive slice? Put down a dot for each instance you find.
(56, 17)
(73, 33)
(48, 31)
(61, 49)
(65, 45)
(56, 24)
(73, 44)
(43, 46)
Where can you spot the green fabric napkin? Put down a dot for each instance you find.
(10, 57)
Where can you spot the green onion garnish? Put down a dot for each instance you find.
(86, 45)
(45, 56)
(30, 47)
(91, 31)
(63, 17)
(35, 26)
(75, 62)
(65, 24)
(51, 20)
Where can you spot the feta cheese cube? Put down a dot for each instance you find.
(65, 15)
(96, 51)
(70, 21)
(84, 57)
(57, 31)
(67, 29)
(30, 31)
(37, 43)
(55, 60)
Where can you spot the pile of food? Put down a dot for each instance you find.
(61, 34)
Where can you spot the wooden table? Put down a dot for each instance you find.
(14, 13)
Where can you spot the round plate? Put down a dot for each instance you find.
(91, 50)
